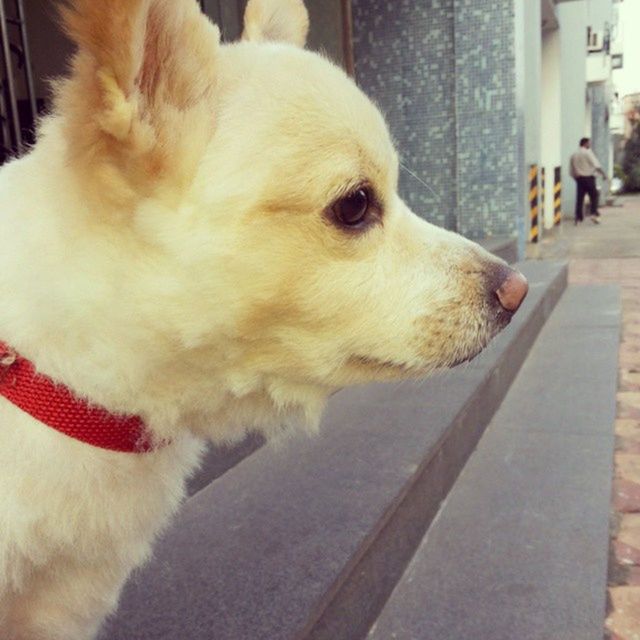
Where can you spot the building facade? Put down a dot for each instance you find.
(483, 97)
(480, 93)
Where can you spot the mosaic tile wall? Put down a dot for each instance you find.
(405, 60)
(488, 172)
(443, 72)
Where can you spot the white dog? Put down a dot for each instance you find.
(205, 240)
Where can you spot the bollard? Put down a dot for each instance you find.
(557, 197)
(533, 203)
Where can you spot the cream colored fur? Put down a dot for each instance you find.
(168, 252)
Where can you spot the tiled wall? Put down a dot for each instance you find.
(488, 172)
(443, 72)
(404, 60)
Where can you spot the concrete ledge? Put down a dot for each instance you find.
(519, 549)
(309, 539)
(218, 460)
(501, 246)
(349, 610)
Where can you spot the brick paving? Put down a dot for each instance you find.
(613, 256)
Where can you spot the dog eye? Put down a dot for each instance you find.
(352, 209)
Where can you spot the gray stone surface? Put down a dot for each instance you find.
(502, 246)
(618, 235)
(306, 540)
(519, 549)
(218, 460)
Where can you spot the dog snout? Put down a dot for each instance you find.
(512, 290)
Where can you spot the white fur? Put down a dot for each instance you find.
(205, 289)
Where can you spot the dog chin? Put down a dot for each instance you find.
(465, 359)
(379, 369)
(498, 323)
(362, 369)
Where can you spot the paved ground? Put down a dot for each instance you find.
(617, 237)
(610, 253)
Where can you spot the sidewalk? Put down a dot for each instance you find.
(610, 253)
(617, 237)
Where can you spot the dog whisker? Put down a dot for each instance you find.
(420, 180)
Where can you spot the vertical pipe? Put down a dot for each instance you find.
(27, 62)
(6, 51)
(5, 134)
(347, 37)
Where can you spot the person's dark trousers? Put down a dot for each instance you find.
(586, 185)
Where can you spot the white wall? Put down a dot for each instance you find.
(586, 127)
(627, 79)
(572, 17)
(532, 80)
(532, 20)
(550, 120)
(599, 12)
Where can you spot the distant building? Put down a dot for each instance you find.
(625, 114)
(631, 112)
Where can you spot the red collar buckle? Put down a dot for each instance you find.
(7, 359)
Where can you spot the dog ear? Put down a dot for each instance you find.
(139, 103)
(276, 20)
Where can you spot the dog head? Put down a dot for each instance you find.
(264, 184)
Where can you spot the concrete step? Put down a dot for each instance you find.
(503, 246)
(308, 540)
(519, 548)
(218, 460)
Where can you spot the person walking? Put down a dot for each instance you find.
(583, 167)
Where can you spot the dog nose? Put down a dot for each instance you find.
(512, 291)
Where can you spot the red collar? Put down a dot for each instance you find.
(56, 406)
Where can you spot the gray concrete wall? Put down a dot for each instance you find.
(325, 32)
(325, 17)
(50, 49)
